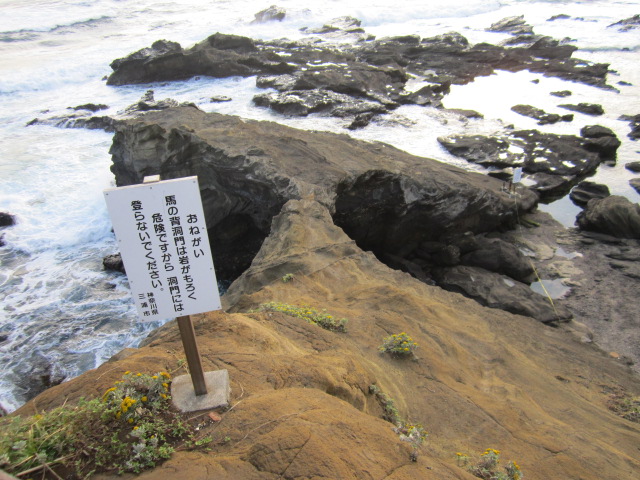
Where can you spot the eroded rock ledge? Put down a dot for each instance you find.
(414, 213)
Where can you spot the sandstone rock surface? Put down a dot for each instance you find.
(301, 402)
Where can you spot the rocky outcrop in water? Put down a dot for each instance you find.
(592, 109)
(627, 24)
(7, 220)
(552, 163)
(634, 123)
(113, 263)
(271, 14)
(613, 215)
(585, 191)
(82, 115)
(543, 117)
(365, 76)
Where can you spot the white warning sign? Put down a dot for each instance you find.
(162, 235)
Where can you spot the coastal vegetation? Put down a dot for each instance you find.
(310, 314)
(131, 428)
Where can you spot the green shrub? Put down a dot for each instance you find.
(399, 344)
(309, 314)
(131, 428)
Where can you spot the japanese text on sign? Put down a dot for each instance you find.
(163, 240)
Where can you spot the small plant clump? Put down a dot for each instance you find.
(132, 427)
(309, 314)
(287, 278)
(488, 465)
(625, 405)
(414, 433)
(399, 344)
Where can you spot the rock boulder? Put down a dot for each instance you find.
(613, 215)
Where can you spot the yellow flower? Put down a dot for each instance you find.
(144, 399)
(118, 415)
(136, 427)
(163, 395)
(155, 377)
(130, 420)
(165, 374)
(138, 374)
(165, 385)
(127, 372)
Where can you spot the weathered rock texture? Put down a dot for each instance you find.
(552, 163)
(543, 117)
(344, 72)
(302, 406)
(387, 200)
(613, 215)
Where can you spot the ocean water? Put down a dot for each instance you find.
(61, 313)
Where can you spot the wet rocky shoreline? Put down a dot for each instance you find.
(443, 225)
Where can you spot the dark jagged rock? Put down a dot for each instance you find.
(36, 376)
(586, 108)
(451, 42)
(613, 215)
(113, 263)
(554, 163)
(271, 14)
(561, 16)
(387, 200)
(79, 119)
(373, 70)
(303, 102)
(361, 120)
(158, 49)
(634, 122)
(627, 24)
(341, 29)
(635, 184)
(633, 167)
(92, 107)
(496, 291)
(483, 150)
(543, 117)
(464, 112)
(82, 118)
(512, 25)
(7, 220)
(219, 55)
(498, 256)
(601, 140)
(562, 93)
(585, 191)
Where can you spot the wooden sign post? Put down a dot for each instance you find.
(188, 335)
(162, 235)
